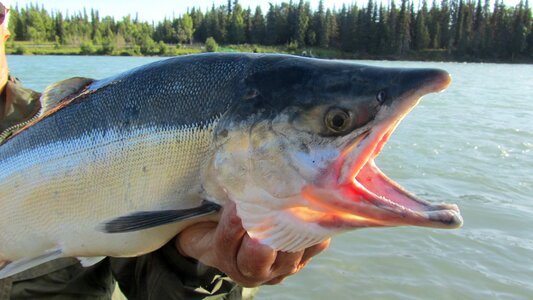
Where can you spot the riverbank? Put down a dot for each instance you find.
(162, 49)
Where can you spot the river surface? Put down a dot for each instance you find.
(471, 145)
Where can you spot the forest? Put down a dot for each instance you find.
(464, 30)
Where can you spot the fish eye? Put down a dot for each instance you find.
(381, 97)
(337, 120)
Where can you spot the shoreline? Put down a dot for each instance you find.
(168, 50)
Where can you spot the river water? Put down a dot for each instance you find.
(471, 145)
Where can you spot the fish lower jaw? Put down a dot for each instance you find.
(371, 199)
(396, 207)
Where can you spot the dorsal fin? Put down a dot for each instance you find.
(62, 90)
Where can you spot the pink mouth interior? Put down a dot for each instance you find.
(355, 193)
(376, 182)
(365, 197)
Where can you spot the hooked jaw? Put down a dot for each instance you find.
(363, 196)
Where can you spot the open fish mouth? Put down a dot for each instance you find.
(364, 196)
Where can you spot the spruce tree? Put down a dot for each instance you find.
(258, 27)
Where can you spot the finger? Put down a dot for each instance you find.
(195, 241)
(230, 227)
(287, 263)
(276, 280)
(313, 251)
(228, 239)
(255, 260)
(305, 258)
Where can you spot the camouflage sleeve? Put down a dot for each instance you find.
(165, 274)
(17, 105)
(60, 279)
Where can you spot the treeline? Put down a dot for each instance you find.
(462, 29)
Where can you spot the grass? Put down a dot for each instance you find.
(47, 48)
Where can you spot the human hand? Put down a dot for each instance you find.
(227, 247)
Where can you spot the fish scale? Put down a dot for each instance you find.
(127, 154)
(119, 166)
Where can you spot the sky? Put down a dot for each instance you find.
(149, 11)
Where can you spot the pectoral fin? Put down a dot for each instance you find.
(148, 219)
(24, 264)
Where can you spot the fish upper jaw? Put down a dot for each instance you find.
(355, 193)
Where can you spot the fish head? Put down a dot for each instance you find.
(296, 153)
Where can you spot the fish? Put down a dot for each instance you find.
(117, 167)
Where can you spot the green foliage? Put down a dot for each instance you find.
(87, 48)
(321, 26)
(258, 27)
(236, 29)
(451, 29)
(148, 46)
(108, 47)
(187, 27)
(211, 45)
(292, 47)
(421, 36)
(21, 50)
(302, 22)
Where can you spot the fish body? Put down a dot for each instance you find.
(123, 164)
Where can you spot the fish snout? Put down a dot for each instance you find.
(424, 81)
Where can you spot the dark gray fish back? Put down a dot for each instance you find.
(184, 91)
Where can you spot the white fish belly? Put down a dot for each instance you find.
(55, 196)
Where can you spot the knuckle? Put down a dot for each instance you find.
(276, 280)
(294, 268)
(256, 274)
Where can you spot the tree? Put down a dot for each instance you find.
(199, 25)
(36, 27)
(236, 30)
(444, 25)
(320, 26)
(247, 17)
(393, 29)
(421, 39)
(465, 28)
(528, 51)
(60, 28)
(302, 23)
(96, 36)
(434, 26)
(404, 29)
(271, 33)
(187, 27)
(332, 28)
(519, 32)
(215, 25)
(383, 33)
(211, 45)
(258, 27)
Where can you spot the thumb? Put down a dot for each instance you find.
(195, 240)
